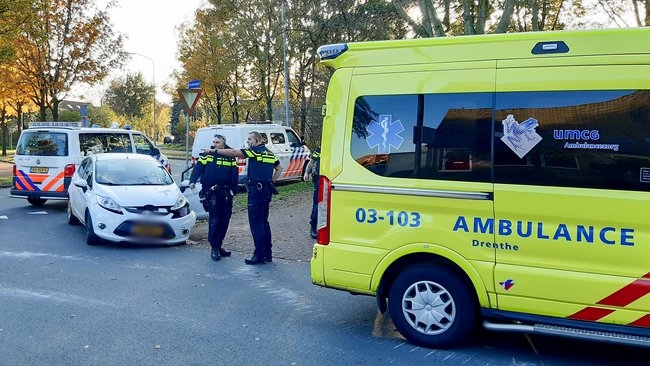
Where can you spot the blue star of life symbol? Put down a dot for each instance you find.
(384, 134)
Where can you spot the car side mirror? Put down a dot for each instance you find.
(184, 185)
(81, 183)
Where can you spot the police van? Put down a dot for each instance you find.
(499, 180)
(282, 141)
(47, 154)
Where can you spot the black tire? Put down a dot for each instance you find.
(91, 237)
(38, 202)
(447, 313)
(72, 219)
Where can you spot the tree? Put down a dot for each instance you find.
(205, 54)
(617, 9)
(439, 18)
(130, 97)
(13, 14)
(311, 25)
(71, 42)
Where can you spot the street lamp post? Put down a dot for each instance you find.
(286, 69)
(153, 76)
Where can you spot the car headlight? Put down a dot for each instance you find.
(109, 204)
(180, 202)
(181, 208)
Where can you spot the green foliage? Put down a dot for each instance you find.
(69, 116)
(13, 14)
(102, 116)
(131, 97)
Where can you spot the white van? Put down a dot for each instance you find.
(47, 154)
(282, 141)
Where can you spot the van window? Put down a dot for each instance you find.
(43, 143)
(142, 145)
(433, 136)
(585, 139)
(95, 143)
(293, 138)
(265, 138)
(277, 138)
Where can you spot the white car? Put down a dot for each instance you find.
(128, 198)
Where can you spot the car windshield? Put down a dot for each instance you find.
(126, 172)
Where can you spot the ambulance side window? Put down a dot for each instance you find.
(432, 136)
(584, 139)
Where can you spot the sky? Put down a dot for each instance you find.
(150, 30)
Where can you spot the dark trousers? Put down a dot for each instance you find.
(314, 208)
(219, 220)
(258, 219)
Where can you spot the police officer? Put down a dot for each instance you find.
(313, 170)
(263, 170)
(219, 177)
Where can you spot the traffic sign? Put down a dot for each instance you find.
(194, 84)
(189, 97)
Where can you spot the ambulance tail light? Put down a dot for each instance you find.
(324, 206)
(68, 171)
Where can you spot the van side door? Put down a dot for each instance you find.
(298, 155)
(572, 184)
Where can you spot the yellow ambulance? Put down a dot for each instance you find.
(500, 180)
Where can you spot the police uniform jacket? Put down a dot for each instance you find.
(315, 158)
(216, 169)
(261, 163)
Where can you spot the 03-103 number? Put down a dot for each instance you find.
(401, 218)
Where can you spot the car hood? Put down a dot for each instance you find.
(141, 195)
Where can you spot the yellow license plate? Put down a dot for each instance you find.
(147, 230)
(38, 169)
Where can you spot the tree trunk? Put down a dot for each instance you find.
(55, 109)
(508, 9)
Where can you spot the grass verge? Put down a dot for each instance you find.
(6, 182)
(285, 191)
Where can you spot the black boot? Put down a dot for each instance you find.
(255, 260)
(215, 254)
(224, 253)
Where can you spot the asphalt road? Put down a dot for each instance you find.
(65, 303)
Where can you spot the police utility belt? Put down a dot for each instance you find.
(259, 185)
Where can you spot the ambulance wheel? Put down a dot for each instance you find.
(72, 219)
(91, 237)
(432, 307)
(36, 201)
